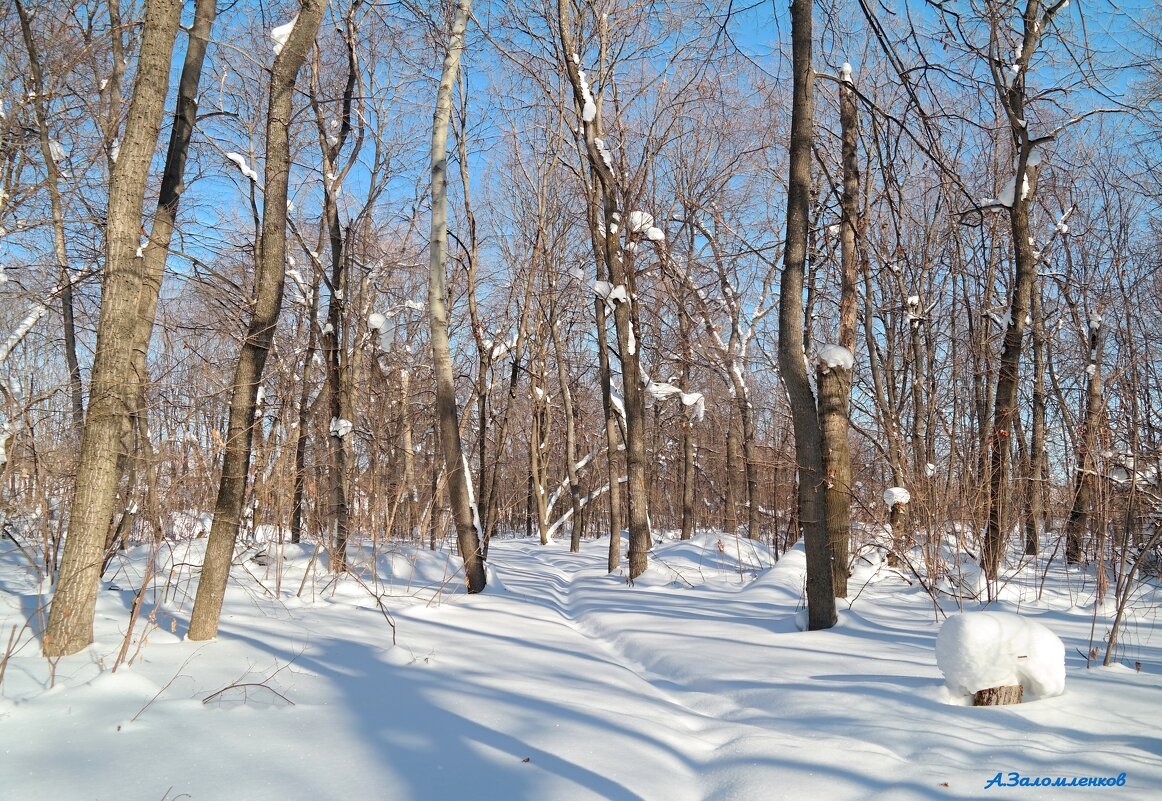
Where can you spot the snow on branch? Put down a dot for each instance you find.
(243, 166)
(30, 320)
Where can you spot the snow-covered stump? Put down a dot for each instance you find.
(995, 656)
(999, 696)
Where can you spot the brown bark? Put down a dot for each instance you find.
(999, 696)
(835, 383)
(60, 251)
(730, 516)
(1035, 493)
(570, 437)
(459, 493)
(70, 626)
(1085, 484)
(804, 414)
(260, 333)
(1012, 95)
(687, 487)
(158, 242)
(624, 315)
(304, 422)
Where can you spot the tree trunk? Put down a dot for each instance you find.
(570, 438)
(304, 425)
(1035, 497)
(687, 433)
(835, 382)
(804, 416)
(412, 497)
(624, 317)
(750, 468)
(999, 696)
(260, 333)
(1085, 488)
(1011, 91)
(60, 251)
(464, 512)
(730, 514)
(70, 626)
(161, 231)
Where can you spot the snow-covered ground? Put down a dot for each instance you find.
(557, 683)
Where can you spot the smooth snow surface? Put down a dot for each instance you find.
(558, 683)
(979, 650)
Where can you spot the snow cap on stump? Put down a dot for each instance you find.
(980, 650)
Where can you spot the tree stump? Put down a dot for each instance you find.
(999, 696)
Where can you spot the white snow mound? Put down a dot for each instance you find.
(836, 356)
(894, 495)
(977, 650)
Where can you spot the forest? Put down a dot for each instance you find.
(356, 279)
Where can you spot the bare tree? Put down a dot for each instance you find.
(1009, 82)
(464, 511)
(624, 309)
(834, 371)
(290, 56)
(792, 359)
(70, 626)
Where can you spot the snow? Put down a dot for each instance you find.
(618, 404)
(640, 222)
(243, 165)
(589, 108)
(660, 391)
(894, 495)
(340, 428)
(376, 322)
(603, 149)
(558, 682)
(979, 650)
(37, 311)
(612, 295)
(280, 34)
(696, 403)
(58, 151)
(845, 73)
(655, 234)
(415, 305)
(1007, 195)
(835, 357)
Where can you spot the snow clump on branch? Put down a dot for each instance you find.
(835, 356)
(280, 34)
